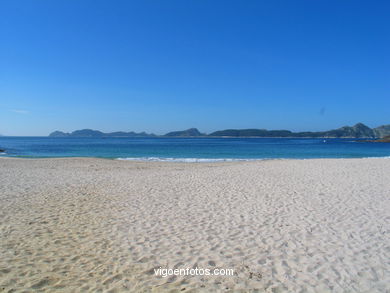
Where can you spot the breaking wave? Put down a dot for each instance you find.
(185, 160)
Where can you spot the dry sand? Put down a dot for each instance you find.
(92, 225)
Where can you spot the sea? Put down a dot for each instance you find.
(191, 149)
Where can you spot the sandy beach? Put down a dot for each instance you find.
(95, 225)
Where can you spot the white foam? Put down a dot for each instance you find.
(384, 157)
(184, 160)
(211, 160)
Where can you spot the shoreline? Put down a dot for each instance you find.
(185, 160)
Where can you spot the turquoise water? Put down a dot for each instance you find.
(191, 149)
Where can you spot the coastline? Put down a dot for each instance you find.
(282, 224)
(164, 160)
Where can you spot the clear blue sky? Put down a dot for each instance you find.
(157, 66)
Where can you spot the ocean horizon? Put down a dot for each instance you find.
(202, 149)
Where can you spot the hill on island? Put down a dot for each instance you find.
(382, 131)
(97, 133)
(359, 130)
(188, 132)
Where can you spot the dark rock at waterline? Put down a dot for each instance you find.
(2, 151)
(385, 139)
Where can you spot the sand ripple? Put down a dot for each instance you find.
(90, 225)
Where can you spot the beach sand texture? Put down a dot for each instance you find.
(94, 225)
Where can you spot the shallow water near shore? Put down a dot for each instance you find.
(191, 149)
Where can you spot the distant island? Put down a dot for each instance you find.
(189, 132)
(97, 133)
(357, 131)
